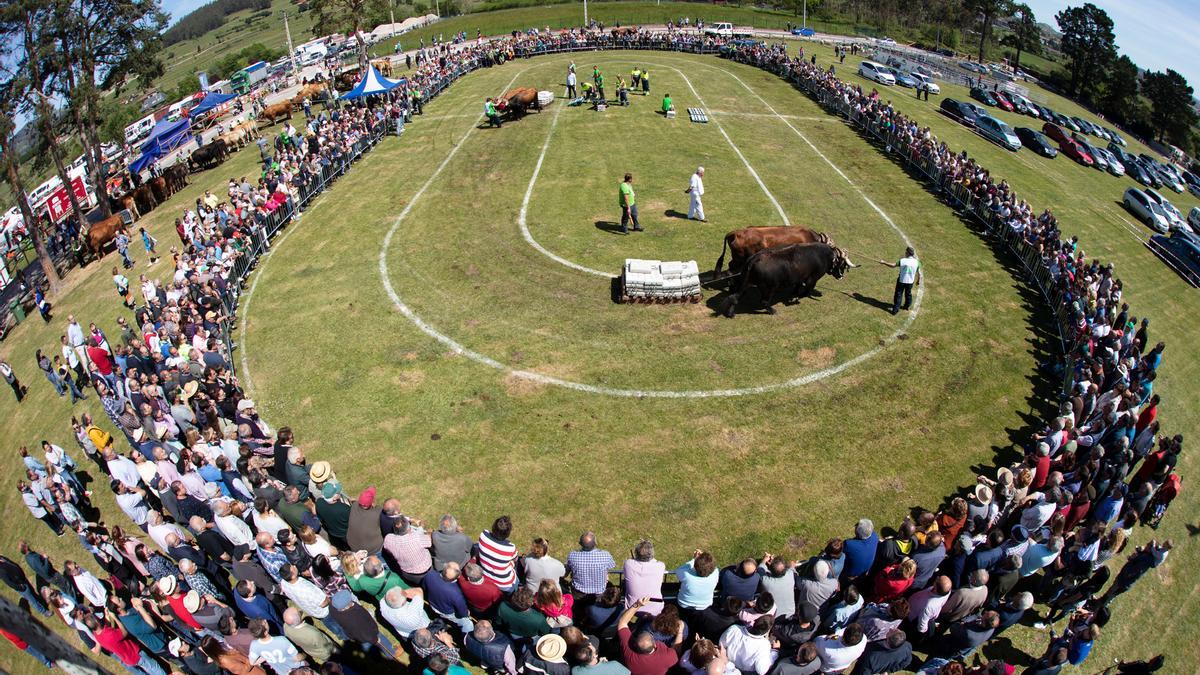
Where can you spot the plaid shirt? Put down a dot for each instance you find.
(411, 550)
(589, 570)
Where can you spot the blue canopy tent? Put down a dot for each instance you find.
(211, 100)
(371, 83)
(165, 137)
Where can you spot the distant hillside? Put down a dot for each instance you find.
(208, 18)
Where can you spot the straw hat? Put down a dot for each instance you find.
(320, 472)
(983, 494)
(191, 601)
(167, 585)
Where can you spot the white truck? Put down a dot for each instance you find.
(720, 29)
(139, 129)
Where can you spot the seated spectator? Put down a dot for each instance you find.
(491, 650)
(803, 660)
(539, 565)
(698, 579)
(404, 609)
(890, 655)
(519, 618)
(481, 593)
(547, 656)
(450, 544)
(556, 605)
(837, 653)
(750, 648)
(741, 580)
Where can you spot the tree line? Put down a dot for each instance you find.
(66, 56)
(208, 18)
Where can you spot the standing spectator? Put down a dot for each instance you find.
(497, 555)
(589, 567)
(698, 579)
(408, 545)
(539, 564)
(275, 651)
(627, 200)
(39, 508)
(11, 378)
(450, 544)
(122, 647)
(27, 648)
(15, 578)
(307, 638)
(838, 652)
(363, 533)
(643, 577)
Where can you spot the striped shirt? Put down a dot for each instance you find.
(498, 558)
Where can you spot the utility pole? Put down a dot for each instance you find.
(585, 20)
(804, 20)
(392, 12)
(291, 50)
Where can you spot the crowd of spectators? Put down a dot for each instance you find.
(237, 552)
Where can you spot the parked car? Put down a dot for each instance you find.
(927, 81)
(1098, 160)
(1122, 154)
(984, 96)
(1193, 182)
(1066, 122)
(1169, 179)
(926, 71)
(1116, 137)
(1036, 141)
(876, 72)
(1044, 112)
(958, 111)
(1071, 148)
(998, 132)
(1194, 218)
(902, 79)
(1149, 175)
(1022, 104)
(1002, 101)
(1055, 132)
(1146, 210)
(1114, 166)
(1181, 251)
(1174, 217)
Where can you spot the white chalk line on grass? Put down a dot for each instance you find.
(522, 216)
(245, 305)
(920, 294)
(541, 378)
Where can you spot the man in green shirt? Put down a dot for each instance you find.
(600, 86)
(308, 638)
(667, 105)
(493, 117)
(628, 203)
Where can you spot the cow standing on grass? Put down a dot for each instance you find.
(792, 270)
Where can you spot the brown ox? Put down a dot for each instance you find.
(158, 186)
(144, 198)
(125, 201)
(103, 232)
(176, 177)
(519, 101)
(235, 137)
(747, 241)
(313, 92)
(276, 112)
(384, 66)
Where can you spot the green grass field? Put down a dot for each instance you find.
(326, 352)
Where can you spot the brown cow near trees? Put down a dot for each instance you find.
(100, 234)
(747, 241)
(143, 196)
(176, 178)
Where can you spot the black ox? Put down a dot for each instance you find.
(208, 155)
(792, 270)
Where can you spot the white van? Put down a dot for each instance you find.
(139, 129)
(876, 72)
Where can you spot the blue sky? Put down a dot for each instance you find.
(180, 8)
(1156, 34)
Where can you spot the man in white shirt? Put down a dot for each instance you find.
(307, 596)
(696, 190)
(838, 653)
(234, 529)
(404, 609)
(122, 469)
(132, 501)
(751, 648)
(910, 275)
(89, 586)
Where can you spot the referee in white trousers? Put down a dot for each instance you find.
(696, 190)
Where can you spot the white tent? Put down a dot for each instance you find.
(386, 30)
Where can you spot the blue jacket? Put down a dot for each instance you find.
(860, 555)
